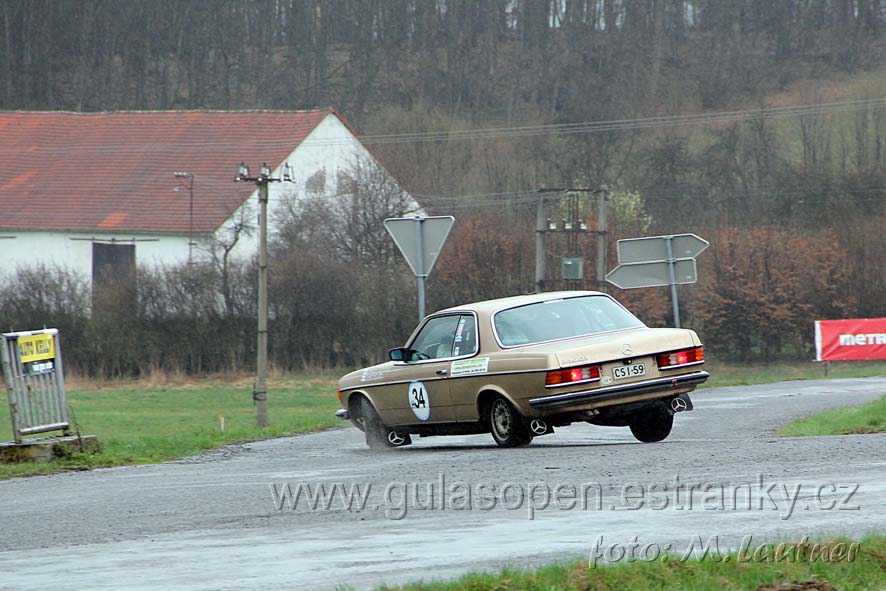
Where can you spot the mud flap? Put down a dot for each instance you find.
(397, 439)
(539, 427)
(681, 403)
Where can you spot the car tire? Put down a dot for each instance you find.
(507, 425)
(378, 436)
(652, 425)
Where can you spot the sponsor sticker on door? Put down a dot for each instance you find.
(464, 367)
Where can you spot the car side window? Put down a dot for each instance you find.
(436, 339)
(511, 334)
(465, 336)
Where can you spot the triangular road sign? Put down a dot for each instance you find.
(434, 231)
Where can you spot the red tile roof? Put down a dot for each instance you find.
(114, 171)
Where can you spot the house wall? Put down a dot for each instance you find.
(331, 146)
(32, 248)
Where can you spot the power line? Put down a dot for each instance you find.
(631, 124)
(498, 132)
(520, 198)
(771, 191)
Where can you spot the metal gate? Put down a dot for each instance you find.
(35, 383)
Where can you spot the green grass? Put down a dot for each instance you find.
(137, 424)
(866, 572)
(866, 418)
(746, 375)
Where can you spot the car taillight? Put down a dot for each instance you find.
(682, 358)
(562, 377)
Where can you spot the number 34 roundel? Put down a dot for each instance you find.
(418, 401)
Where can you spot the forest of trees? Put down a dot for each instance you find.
(568, 59)
(759, 125)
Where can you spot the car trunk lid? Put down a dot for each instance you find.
(621, 345)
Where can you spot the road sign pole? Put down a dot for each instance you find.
(673, 278)
(420, 268)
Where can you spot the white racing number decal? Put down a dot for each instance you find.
(419, 401)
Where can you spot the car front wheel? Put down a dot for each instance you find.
(506, 424)
(652, 425)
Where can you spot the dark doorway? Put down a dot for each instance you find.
(112, 263)
(113, 279)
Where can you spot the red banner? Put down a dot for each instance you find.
(850, 340)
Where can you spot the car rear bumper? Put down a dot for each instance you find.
(662, 385)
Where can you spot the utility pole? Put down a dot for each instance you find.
(573, 227)
(603, 196)
(540, 229)
(260, 390)
(672, 278)
(190, 180)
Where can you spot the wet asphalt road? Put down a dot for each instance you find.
(212, 522)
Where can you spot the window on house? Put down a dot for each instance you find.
(316, 184)
(346, 183)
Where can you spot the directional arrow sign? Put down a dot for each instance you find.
(634, 275)
(655, 248)
(431, 231)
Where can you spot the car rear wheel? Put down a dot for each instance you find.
(507, 425)
(652, 425)
(378, 436)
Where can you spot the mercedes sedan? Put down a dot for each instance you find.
(520, 367)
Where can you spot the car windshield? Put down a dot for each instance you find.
(561, 319)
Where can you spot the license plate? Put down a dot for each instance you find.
(629, 371)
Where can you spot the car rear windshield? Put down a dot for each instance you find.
(561, 319)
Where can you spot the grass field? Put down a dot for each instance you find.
(866, 418)
(866, 572)
(138, 422)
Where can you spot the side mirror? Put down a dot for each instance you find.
(398, 354)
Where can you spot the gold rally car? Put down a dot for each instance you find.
(518, 367)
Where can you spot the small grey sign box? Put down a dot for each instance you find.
(434, 231)
(635, 275)
(573, 268)
(655, 248)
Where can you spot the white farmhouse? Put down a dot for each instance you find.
(98, 192)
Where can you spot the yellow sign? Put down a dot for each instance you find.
(36, 347)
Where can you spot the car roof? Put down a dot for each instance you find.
(491, 306)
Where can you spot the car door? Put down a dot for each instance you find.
(467, 371)
(420, 393)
